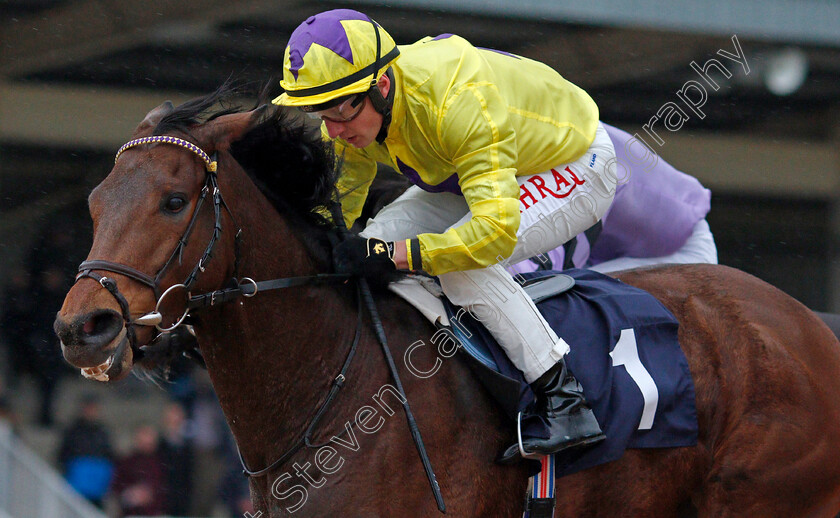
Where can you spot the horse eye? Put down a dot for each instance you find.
(175, 203)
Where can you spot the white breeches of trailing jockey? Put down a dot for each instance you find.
(699, 248)
(555, 206)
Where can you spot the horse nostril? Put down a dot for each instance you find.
(94, 329)
(101, 327)
(100, 323)
(89, 326)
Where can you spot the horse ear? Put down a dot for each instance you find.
(154, 116)
(224, 130)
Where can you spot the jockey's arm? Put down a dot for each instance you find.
(475, 133)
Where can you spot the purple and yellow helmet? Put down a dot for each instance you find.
(334, 54)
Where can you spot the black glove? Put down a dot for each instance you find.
(366, 257)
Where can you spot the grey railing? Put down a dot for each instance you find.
(29, 487)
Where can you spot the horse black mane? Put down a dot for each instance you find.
(287, 159)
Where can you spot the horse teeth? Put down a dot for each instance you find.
(98, 373)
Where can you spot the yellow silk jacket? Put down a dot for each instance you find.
(471, 120)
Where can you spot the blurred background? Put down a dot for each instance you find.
(76, 76)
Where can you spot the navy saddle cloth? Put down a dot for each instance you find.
(625, 353)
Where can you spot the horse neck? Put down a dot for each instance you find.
(271, 355)
(273, 359)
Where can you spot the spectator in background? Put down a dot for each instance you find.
(181, 386)
(28, 311)
(177, 455)
(234, 489)
(35, 294)
(18, 304)
(207, 428)
(139, 479)
(50, 289)
(7, 414)
(85, 456)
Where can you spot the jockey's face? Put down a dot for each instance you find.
(361, 131)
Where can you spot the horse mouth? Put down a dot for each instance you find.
(100, 372)
(116, 366)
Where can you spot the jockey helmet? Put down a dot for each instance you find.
(333, 55)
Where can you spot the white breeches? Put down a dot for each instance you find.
(555, 206)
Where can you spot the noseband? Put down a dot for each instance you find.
(211, 188)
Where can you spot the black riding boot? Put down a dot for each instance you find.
(564, 412)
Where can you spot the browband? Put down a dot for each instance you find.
(210, 164)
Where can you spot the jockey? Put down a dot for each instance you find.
(657, 217)
(468, 127)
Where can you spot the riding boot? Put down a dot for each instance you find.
(564, 413)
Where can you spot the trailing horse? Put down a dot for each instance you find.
(766, 370)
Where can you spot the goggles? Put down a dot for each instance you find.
(345, 111)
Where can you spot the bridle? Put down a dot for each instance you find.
(88, 269)
(246, 288)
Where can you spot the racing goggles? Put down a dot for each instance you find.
(345, 111)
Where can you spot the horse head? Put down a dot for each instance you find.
(162, 230)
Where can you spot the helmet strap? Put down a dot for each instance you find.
(383, 104)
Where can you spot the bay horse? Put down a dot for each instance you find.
(766, 370)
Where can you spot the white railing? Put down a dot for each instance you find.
(29, 487)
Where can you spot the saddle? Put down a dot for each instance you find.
(624, 351)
